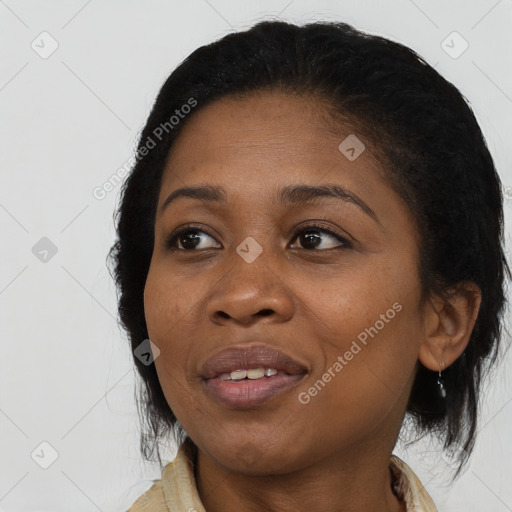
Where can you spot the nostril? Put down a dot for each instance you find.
(265, 312)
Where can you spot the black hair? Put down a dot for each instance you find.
(435, 157)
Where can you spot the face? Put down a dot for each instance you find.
(288, 319)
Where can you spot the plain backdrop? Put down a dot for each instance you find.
(77, 80)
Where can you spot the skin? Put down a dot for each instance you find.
(308, 301)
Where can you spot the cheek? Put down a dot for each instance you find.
(363, 388)
(165, 314)
(369, 328)
(165, 306)
(171, 307)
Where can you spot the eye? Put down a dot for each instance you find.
(189, 239)
(313, 237)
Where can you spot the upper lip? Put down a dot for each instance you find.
(242, 358)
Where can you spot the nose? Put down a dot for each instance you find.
(248, 292)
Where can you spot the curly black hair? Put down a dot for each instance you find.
(435, 156)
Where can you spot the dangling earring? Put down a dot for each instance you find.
(440, 382)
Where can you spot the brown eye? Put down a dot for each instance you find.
(317, 237)
(189, 239)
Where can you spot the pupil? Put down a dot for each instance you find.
(187, 238)
(308, 238)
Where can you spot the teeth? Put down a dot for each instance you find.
(252, 373)
(238, 374)
(255, 373)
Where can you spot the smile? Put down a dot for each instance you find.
(249, 376)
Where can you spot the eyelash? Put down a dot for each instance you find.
(346, 244)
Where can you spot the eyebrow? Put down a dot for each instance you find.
(291, 194)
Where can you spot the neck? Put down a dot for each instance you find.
(342, 482)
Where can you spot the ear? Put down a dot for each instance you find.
(448, 326)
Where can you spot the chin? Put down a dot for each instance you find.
(255, 458)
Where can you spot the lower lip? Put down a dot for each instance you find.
(248, 393)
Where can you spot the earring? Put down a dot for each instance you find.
(440, 383)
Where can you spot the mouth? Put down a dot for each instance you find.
(246, 377)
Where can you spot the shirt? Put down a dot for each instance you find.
(176, 491)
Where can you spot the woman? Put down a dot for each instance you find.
(311, 238)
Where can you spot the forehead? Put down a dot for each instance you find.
(267, 138)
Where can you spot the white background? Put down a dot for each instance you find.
(68, 123)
